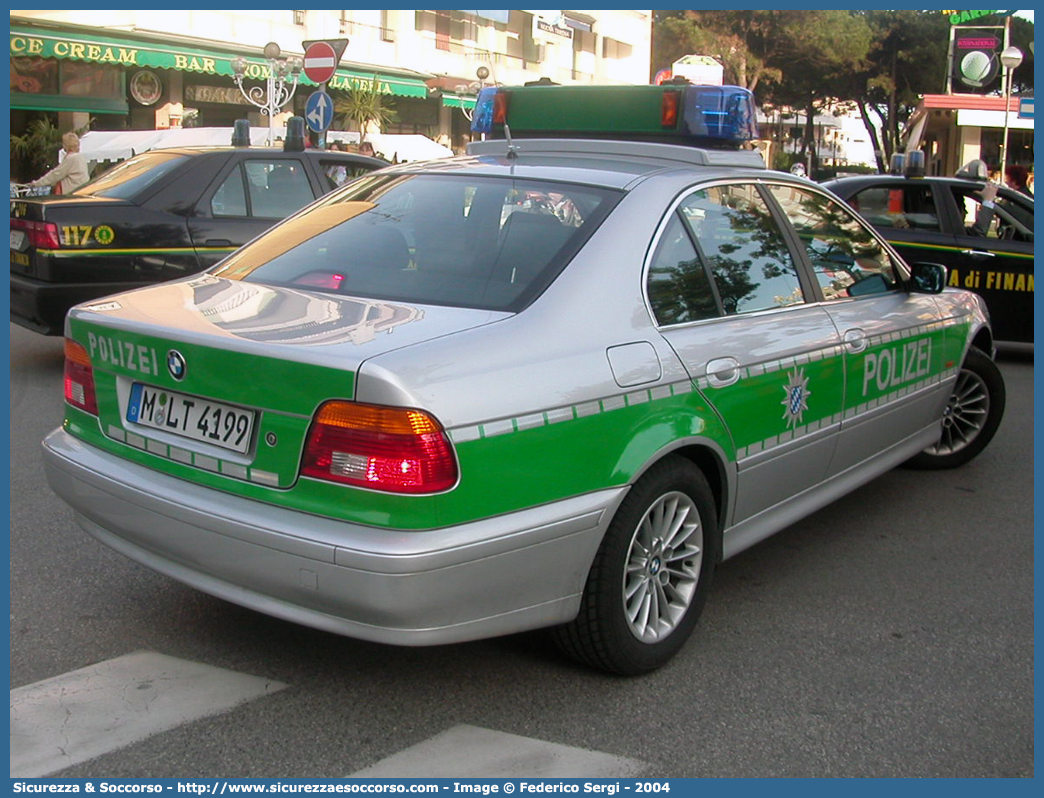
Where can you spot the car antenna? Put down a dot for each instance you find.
(512, 150)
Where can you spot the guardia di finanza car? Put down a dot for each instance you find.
(550, 383)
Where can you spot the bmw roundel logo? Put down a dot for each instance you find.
(176, 365)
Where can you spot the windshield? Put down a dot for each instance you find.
(491, 243)
(127, 179)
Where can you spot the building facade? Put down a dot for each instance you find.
(157, 69)
(953, 129)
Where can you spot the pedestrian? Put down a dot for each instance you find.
(71, 172)
(366, 148)
(1016, 177)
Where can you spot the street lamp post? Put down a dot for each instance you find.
(1010, 60)
(276, 93)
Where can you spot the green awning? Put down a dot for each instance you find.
(457, 101)
(133, 52)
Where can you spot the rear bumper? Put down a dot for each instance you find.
(496, 576)
(41, 306)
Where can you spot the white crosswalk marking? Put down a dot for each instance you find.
(89, 712)
(472, 752)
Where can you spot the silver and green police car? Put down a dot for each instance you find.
(550, 383)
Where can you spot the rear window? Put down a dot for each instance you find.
(488, 243)
(125, 180)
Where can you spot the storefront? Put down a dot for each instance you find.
(953, 129)
(118, 80)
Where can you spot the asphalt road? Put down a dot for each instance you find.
(890, 634)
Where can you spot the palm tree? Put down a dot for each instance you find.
(363, 105)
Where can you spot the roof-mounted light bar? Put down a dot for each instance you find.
(708, 116)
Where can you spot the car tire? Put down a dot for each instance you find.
(649, 579)
(973, 413)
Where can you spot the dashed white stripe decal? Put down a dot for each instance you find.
(489, 429)
(185, 457)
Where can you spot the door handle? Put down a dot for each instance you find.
(723, 371)
(855, 339)
(217, 242)
(978, 253)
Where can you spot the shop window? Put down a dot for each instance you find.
(66, 78)
(34, 76)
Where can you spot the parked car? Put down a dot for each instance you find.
(551, 383)
(159, 215)
(935, 219)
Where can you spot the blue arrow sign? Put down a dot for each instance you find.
(319, 111)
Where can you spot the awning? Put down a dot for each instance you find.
(140, 52)
(458, 101)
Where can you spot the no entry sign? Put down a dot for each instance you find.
(320, 62)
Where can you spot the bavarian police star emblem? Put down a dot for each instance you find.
(796, 401)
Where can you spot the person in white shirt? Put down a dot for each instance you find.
(71, 173)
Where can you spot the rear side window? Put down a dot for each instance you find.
(743, 248)
(266, 189)
(898, 206)
(679, 287)
(471, 242)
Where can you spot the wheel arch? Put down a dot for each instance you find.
(711, 460)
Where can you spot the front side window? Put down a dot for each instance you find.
(338, 172)
(490, 243)
(743, 247)
(1007, 219)
(848, 260)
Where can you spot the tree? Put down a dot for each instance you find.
(363, 105)
(745, 42)
(817, 50)
(907, 59)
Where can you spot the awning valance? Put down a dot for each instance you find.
(132, 52)
(458, 101)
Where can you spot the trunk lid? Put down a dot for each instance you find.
(214, 379)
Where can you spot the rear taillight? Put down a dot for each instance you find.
(79, 378)
(42, 235)
(384, 448)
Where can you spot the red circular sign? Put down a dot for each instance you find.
(320, 62)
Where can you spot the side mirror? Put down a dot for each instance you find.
(928, 278)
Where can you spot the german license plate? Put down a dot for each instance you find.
(191, 417)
